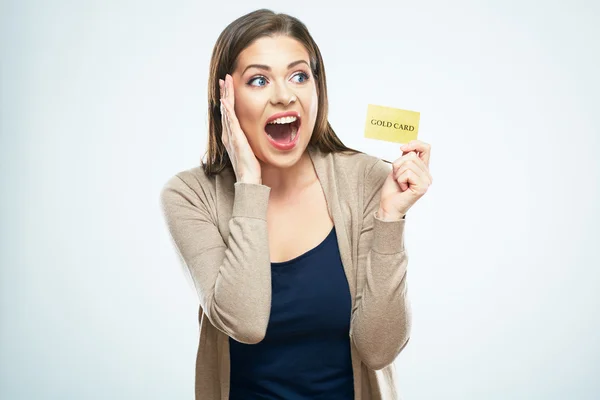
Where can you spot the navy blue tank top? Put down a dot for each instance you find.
(306, 351)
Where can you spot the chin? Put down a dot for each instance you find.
(283, 160)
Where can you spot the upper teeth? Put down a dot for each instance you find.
(283, 120)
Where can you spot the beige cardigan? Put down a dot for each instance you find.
(219, 228)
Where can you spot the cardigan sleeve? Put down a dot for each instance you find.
(233, 280)
(381, 318)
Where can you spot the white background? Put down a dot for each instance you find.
(102, 102)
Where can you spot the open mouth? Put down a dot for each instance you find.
(283, 130)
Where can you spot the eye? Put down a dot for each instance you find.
(258, 79)
(302, 75)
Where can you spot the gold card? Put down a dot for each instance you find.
(391, 124)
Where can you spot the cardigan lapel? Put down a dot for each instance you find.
(325, 169)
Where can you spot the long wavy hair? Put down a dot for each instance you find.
(240, 34)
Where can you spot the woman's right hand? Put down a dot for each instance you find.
(244, 162)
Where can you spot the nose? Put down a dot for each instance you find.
(282, 94)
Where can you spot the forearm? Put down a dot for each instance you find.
(231, 273)
(241, 300)
(381, 322)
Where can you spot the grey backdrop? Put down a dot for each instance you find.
(102, 102)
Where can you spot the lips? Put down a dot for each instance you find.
(283, 114)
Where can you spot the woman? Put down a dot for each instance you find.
(295, 243)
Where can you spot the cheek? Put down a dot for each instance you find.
(248, 114)
(313, 100)
(315, 106)
(312, 103)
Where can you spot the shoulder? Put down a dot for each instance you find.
(361, 166)
(190, 184)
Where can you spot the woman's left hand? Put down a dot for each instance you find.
(407, 182)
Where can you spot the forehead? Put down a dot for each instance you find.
(276, 52)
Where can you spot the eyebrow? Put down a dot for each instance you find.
(267, 68)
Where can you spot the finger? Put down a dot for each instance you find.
(424, 149)
(420, 148)
(232, 123)
(402, 180)
(403, 185)
(409, 180)
(395, 176)
(229, 93)
(410, 158)
(230, 114)
(224, 125)
(415, 169)
(415, 144)
(419, 182)
(223, 128)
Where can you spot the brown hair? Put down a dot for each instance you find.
(236, 37)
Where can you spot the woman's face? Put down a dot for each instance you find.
(272, 76)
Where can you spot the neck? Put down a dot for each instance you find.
(285, 182)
